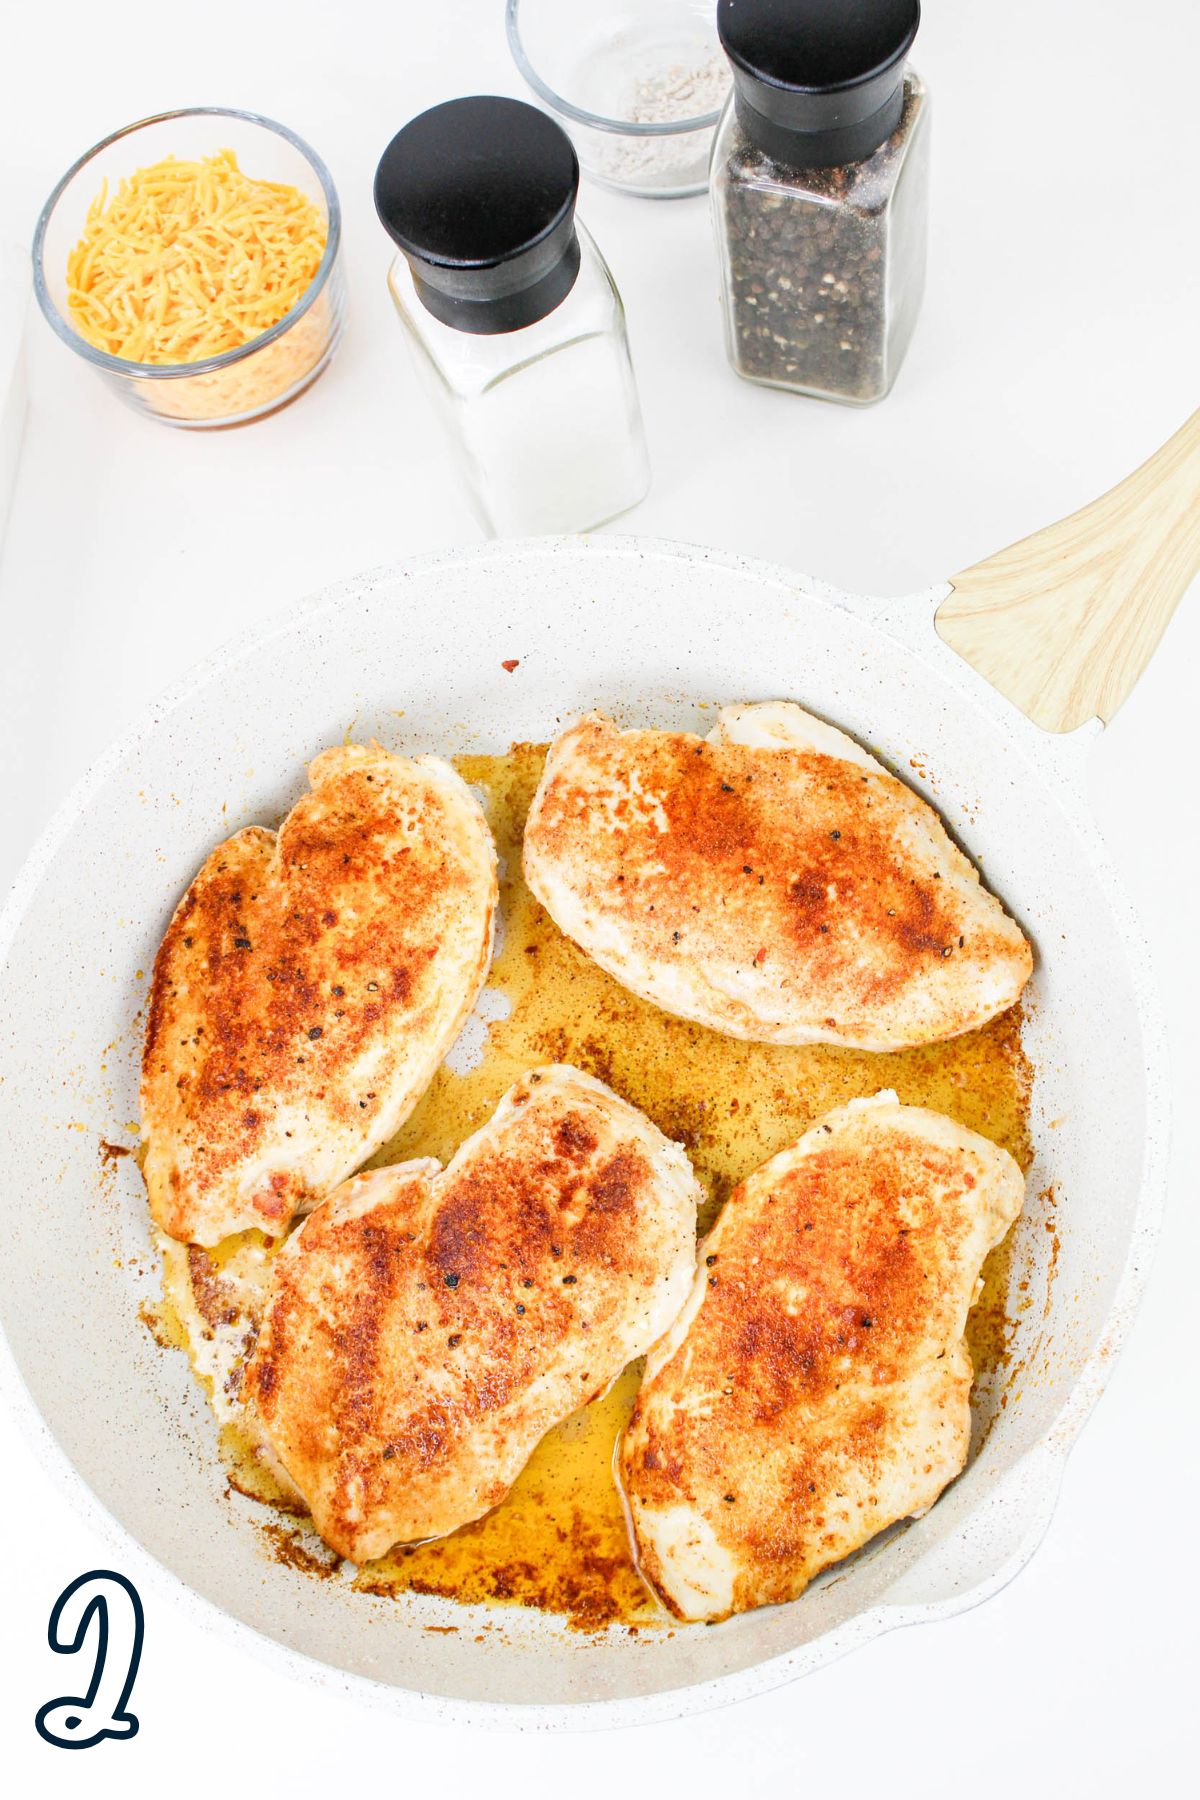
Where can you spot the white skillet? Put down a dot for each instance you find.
(655, 633)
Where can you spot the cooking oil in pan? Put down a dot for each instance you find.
(558, 1541)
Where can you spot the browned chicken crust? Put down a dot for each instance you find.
(426, 1327)
(816, 1387)
(307, 987)
(778, 893)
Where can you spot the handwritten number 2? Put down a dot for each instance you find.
(74, 1723)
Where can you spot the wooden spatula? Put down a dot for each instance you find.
(1065, 621)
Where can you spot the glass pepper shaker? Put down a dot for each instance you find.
(819, 193)
(516, 325)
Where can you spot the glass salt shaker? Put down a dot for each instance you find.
(819, 193)
(517, 328)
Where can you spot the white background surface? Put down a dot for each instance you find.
(1058, 346)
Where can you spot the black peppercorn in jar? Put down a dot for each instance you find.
(819, 187)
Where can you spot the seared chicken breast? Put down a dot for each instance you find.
(307, 988)
(771, 881)
(426, 1326)
(816, 1386)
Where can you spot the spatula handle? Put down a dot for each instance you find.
(1064, 622)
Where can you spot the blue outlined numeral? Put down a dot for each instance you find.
(76, 1724)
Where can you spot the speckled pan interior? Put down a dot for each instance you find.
(413, 656)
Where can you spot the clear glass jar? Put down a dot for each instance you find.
(544, 421)
(516, 326)
(819, 198)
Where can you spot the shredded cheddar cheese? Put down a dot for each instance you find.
(256, 384)
(190, 259)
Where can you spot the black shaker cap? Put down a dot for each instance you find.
(479, 194)
(818, 82)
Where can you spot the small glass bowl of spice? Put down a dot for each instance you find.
(638, 85)
(193, 259)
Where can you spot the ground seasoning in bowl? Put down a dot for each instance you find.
(819, 183)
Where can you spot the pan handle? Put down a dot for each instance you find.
(1064, 622)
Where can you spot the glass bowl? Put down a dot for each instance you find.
(238, 385)
(638, 84)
